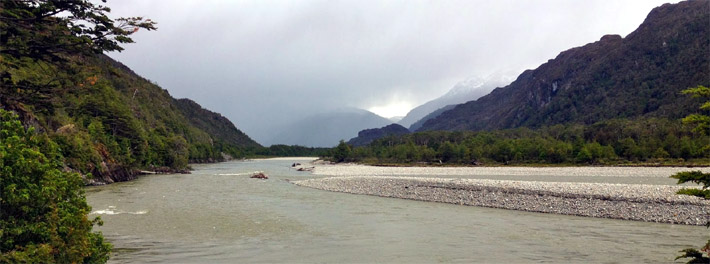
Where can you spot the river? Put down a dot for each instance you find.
(218, 214)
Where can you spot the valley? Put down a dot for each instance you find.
(598, 154)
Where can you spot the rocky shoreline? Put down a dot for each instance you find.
(121, 174)
(638, 202)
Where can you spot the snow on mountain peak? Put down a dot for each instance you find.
(474, 83)
(467, 90)
(466, 86)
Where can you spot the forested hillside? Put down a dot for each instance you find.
(108, 121)
(366, 136)
(611, 142)
(640, 75)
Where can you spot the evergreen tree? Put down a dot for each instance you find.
(342, 151)
(34, 35)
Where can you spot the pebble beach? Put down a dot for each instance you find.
(638, 202)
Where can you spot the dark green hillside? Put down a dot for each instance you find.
(111, 122)
(366, 136)
(209, 133)
(223, 132)
(641, 75)
(108, 122)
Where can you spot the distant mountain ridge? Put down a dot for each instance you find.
(366, 136)
(436, 113)
(326, 129)
(468, 90)
(637, 76)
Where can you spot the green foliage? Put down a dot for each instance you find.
(32, 29)
(93, 114)
(37, 40)
(702, 126)
(280, 150)
(106, 120)
(608, 142)
(43, 211)
(695, 255)
(341, 152)
(704, 193)
(701, 122)
(697, 177)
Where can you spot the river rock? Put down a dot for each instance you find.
(259, 175)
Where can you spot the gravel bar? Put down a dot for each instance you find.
(586, 171)
(639, 202)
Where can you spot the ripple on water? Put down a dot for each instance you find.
(111, 210)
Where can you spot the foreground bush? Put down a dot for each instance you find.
(43, 210)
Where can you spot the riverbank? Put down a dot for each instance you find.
(638, 202)
(122, 174)
(696, 163)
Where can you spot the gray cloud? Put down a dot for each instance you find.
(266, 62)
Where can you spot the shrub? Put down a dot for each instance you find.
(43, 210)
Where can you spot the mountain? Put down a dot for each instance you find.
(214, 124)
(366, 136)
(110, 123)
(437, 112)
(325, 130)
(395, 119)
(640, 75)
(465, 91)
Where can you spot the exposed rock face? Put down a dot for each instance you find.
(637, 76)
(366, 136)
(109, 173)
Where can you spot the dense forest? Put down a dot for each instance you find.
(617, 141)
(290, 151)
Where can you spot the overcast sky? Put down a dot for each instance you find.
(264, 62)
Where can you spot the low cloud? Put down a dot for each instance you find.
(262, 63)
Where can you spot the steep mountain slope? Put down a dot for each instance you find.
(209, 133)
(366, 136)
(437, 112)
(325, 130)
(214, 124)
(109, 122)
(637, 76)
(462, 92)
